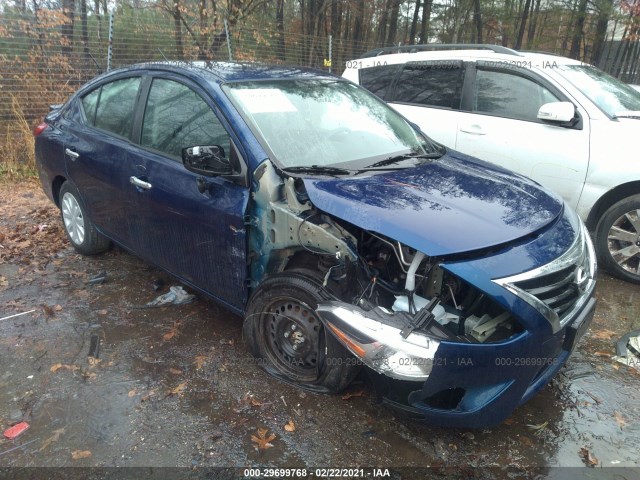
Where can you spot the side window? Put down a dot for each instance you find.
(377, 79)
(431, 85)
(508, 95)
(89, 104)
(114, 112)
(176, 117)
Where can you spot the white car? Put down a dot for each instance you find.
(565, 124)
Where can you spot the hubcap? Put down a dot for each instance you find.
(292, 332)
(624, 241)
(73, 219)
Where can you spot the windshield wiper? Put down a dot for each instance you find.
(319, 169)
(406, 156)
(627, 114)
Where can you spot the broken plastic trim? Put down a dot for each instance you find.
(378, 344)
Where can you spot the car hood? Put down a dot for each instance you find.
(451, 205)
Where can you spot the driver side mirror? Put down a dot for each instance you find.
(208, 160)
(558, 112)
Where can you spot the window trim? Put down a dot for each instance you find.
(525, 73)
(391, 94)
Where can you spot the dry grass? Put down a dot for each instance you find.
(17, 157)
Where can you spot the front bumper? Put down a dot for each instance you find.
(475, 385)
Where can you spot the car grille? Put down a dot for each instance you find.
(560, 288)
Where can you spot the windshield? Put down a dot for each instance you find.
(610, 94)
(324, 122)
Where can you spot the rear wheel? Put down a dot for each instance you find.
(618, 239)
(283, 331)
(80, 231)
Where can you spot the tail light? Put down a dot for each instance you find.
(39, 129)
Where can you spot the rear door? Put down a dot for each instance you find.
(192, 226)
(96, 149)
(429, 94)
(500, 125)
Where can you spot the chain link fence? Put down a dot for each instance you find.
(45, 55)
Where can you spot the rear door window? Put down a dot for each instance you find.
(433, 84)
(378, 79)
(114, 111)
(177, 117)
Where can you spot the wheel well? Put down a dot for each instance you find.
(55, 189)
(612, 196)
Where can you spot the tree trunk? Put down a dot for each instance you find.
(85, 32)
(68, 7)
(177, 29)
(601, 32)
(393, 22)
(533, 23)
(523, 24)
(578, 30)
(280, 53)
(414, 24)
(478, 21)
(382, 26)
(424, 26)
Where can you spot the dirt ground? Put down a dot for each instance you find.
(103, 382)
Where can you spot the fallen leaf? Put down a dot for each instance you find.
(169, 336)
(588, 458)
(132, 393)
(620, 419)
(3, 281)
(93, 361)
(358, 393)
(78, 454)
(603, 334)
(602, 354)
(59, 366)
(290, 427)
(179, 389)
(57, 308)
(48, 311)
(53, 438)
(262, 441)
(104, 311)
(148, 396)
(255, 403)
(175, 371)
(200, 359)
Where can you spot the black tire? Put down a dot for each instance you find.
(77, 225)
(619, 231)
(284, 304)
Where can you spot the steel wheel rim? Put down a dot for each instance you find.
(623, 241)
(288, 323)
(73, 218)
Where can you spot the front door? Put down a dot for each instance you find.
(190, 225)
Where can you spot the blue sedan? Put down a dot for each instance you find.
(345, 236)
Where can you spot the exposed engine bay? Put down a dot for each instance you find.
(393, 305)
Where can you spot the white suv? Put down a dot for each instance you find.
(563, 123)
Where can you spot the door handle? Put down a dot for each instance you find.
(139, 183)
(71, 154)
(473, 129)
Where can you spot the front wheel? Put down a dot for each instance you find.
(80, 231)
(618, 239)
(284, 333)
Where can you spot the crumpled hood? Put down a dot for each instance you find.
(452, 205)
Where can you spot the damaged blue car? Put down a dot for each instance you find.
(345, 237)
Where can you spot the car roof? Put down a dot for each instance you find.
(223, 72)
(537, 58)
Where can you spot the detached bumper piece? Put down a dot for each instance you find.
(446, 381)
